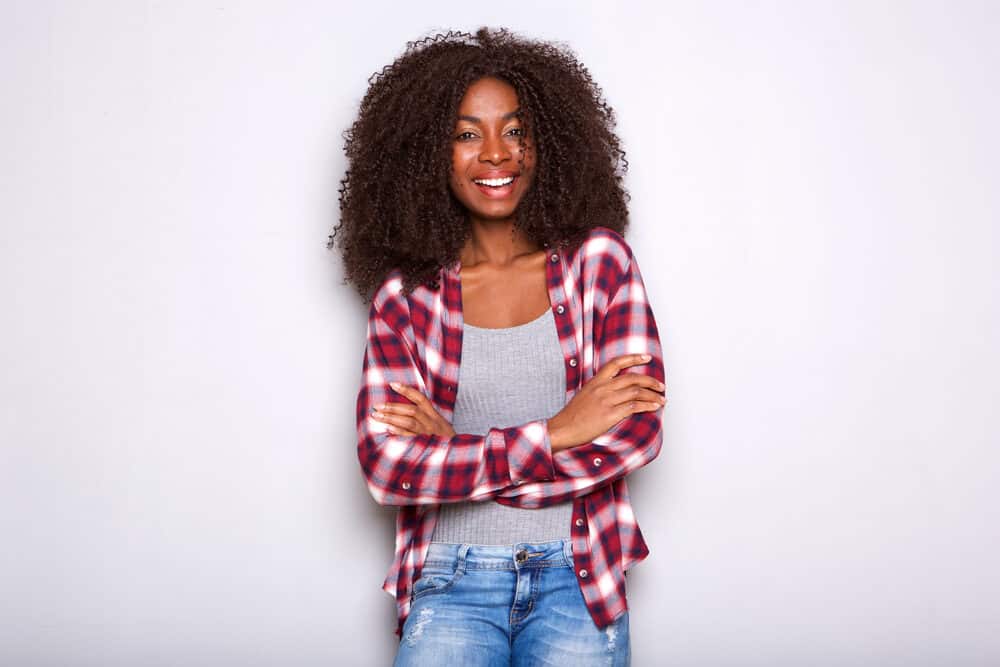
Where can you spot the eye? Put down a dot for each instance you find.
(518, 130)
(460, 137)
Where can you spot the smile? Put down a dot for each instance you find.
(494, 182)
(496, 188)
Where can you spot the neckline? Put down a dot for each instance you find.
(513, 328)
(453, 297)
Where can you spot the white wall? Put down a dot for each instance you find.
(814, 206)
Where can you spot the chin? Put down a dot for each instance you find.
(495, 215)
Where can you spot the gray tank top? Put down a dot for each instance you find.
(507, 377)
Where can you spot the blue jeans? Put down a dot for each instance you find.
(505, 606)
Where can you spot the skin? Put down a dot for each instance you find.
(498, 261)
(487, 137)
(503, 271)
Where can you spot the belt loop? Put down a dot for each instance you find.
(568, 551)
(463, 551)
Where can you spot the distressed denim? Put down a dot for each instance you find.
(505, 606)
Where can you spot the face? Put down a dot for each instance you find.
(485, 147)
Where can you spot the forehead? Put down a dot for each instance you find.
(488, 97)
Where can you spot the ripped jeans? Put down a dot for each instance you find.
(505, 606)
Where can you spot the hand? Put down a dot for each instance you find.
(603, 401)
(416, 418)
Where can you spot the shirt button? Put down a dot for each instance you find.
(579, 522)
(406, 485)
(572, 362)
(583, 573)
(554, 257)
(560, 309)
(597, 461)
(518, 482)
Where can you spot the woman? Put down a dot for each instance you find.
(513, 374)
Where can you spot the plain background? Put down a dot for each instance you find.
(815, 201)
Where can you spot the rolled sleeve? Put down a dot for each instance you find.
(529, 452)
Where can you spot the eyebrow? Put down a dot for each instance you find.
(476, 119)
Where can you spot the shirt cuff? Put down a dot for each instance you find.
(529, 452)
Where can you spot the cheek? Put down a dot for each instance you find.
(458, 163)
(456, 181)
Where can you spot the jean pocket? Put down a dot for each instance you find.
(435, 578)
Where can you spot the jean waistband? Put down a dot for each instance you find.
(516, 556)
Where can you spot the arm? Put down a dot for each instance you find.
(628, 327)
(429, 469)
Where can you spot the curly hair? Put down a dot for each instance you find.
(396, 207)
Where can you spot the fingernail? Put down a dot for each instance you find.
(647, 357)
(394, 385)
(659, 385)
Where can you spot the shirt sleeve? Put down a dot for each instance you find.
(429, 469)
(628, 327)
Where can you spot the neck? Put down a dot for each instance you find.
(497, 243)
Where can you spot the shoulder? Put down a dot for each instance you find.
(389, 293)
(604, 254)
(397, 309)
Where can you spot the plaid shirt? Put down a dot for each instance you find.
(601, 312)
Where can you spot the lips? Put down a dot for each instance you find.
(497, 192)
(495, 174)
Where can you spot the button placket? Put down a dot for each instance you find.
(558, 297)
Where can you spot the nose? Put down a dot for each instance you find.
(494, 150)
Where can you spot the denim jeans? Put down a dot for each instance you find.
(505, 606)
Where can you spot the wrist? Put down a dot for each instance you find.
(557, 435)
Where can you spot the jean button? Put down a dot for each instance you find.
(521, 555)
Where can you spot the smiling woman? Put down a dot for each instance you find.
(513, 375)
(489, 134)
(397, 209)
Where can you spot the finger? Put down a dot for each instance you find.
(423, 421)
(398, 408)
(637, 394)
(640, 379)
(612, 368)
(632, 407)
(396, 430)
(424, 411)
(414, 395)
(397, 420)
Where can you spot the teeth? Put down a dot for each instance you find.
(494, 182)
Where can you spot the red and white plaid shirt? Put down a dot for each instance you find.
(601, 312)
